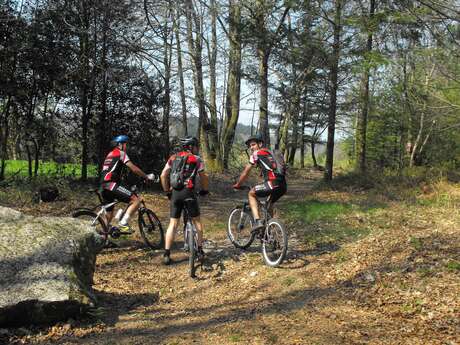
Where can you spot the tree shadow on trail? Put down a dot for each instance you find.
(111, 305)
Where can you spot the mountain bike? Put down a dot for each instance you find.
(272, 236)
(190, 238)
(150, 227)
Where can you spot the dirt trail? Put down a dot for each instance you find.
(236, 299)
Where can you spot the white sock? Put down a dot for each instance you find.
(124, 220)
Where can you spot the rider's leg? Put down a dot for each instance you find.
(171, 232)
(253, 203)
(277, 193)
(132, 208)
(109, 216)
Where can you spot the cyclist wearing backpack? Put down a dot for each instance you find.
(273, 170)
(111, 188)
(178, 181)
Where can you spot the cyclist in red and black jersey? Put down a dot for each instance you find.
(111, 189)
(193, 166)
(274, 182)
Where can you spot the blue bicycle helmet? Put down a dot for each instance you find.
(119, 139)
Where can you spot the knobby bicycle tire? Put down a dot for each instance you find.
(91, 216)
(150, 229)
(234, 233)
(274, 249)
(192, 252)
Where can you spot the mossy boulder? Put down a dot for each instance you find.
(46, 268)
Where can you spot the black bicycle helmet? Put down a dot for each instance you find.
(188, 141)
(256, 137)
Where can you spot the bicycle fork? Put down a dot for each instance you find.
(242, 214)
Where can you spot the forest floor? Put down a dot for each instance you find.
(366, 265)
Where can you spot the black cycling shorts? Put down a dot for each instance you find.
(119, 193)
(181, 197)
(274, 189)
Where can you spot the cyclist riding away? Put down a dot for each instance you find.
(273, 171)
(178, 181)
(111, 187)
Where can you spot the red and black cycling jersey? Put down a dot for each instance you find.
(264, 159)
(193, 166)
(113, 165)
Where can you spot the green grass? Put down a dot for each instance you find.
(334, 234)
(235, 338)
(215, 227)
(315, 210)
(453, 266)
(416, 243)
(20, 168)
(326, 221)
(288, 281)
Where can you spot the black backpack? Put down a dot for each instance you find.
(278, 164)
(281, 165)
(176, 177)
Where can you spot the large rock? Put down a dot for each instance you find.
(46, 268)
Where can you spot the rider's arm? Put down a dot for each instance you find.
(165, 178)
(135, 169)
(244, 174)
(204, 180)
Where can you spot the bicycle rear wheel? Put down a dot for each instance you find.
(96, 222)
(239, 228)
(192, 251)
(274, 243)
(150, 229)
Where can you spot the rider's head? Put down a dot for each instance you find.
(255, 142)
(120, 141)
(190, 144)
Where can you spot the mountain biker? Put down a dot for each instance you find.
(111, 187)
(274, 184)
(193, 166)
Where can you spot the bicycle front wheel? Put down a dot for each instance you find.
(239, 228)
(96, 222)
(151, 229)
(192, 251)
(274, 243)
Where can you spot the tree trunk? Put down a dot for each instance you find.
(263, 56)
(195, 46)
(84, 69)
(101, 129)
(180, 72)
(313, 155)
(232, 104)
(212, 55)
(4, 133)
(302, 136)
(265, 43)
(167, 88)
(334, 70)
(37, 156)
(29, 159)
(284, 133)
(422, 119)
(361, 121)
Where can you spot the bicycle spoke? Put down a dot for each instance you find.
(239, 228)
(274, 243)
